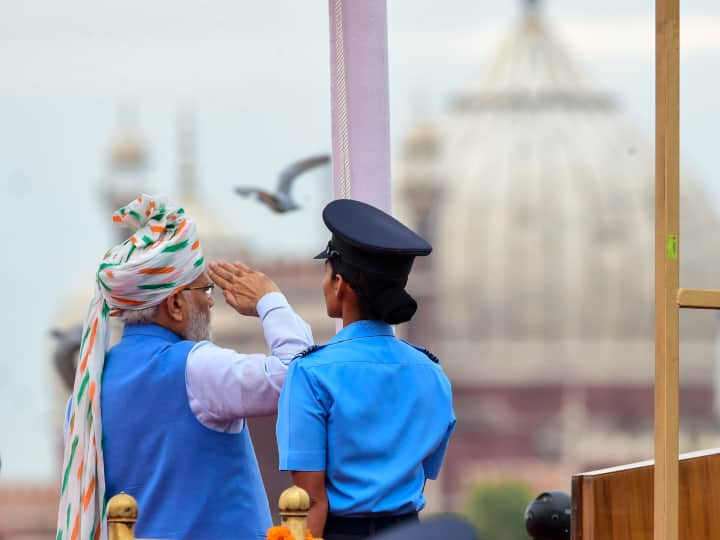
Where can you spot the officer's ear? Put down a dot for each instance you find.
(340, 286)
(344, 290)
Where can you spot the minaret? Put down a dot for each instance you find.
(186, 148)
(532, 6)
(125, 178)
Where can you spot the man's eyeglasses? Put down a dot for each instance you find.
(207, 288)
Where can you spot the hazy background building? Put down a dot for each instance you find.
(537, 193)
(531, 173)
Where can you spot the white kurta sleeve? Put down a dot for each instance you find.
(224, 386)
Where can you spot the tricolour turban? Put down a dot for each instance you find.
(161, 257)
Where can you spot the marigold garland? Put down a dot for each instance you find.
(283, 533)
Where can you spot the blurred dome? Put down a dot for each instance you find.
(537, 194)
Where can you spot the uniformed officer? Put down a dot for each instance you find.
(365, 420)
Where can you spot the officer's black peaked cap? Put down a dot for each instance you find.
(371, 240)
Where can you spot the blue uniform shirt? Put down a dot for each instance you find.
(371, 411)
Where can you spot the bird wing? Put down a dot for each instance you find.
(246, 191)
(288, 175)
(268, 198)
(265, 197)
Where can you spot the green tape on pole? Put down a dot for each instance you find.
(671, 247)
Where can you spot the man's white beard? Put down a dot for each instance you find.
(199, 326)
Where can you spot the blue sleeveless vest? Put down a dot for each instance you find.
(190, 482)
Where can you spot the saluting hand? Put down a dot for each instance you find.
(242, 286)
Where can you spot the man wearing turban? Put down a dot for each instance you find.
(161, 414)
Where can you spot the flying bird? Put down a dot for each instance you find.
(281, 201)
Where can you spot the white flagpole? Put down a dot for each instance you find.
(360, 101)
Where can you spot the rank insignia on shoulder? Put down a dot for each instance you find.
(430, 355)
(427, 353)
(310, 349)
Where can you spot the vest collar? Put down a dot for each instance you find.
(153, 330)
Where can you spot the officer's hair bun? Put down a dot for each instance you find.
(395, 306)
(380, 298)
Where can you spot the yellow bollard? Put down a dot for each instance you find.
(294, 504)
(122, 512)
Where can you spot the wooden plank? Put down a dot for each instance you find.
(667, 136)
(698, 298)
(617, 503)
(577, 502)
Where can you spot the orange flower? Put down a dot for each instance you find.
(283, 533)
(279, 533)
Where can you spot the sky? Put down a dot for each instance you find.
(256, 76)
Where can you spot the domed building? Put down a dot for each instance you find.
(537, 195)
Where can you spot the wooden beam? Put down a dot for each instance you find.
(698, 299)
(667, 186)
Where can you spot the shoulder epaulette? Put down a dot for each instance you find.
(427, 353)
(309, 350)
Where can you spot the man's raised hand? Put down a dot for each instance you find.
(242, 286)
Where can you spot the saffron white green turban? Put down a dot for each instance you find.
(161, 257)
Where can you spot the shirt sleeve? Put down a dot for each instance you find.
(224, 385)
(432, 463)
(285, 332)
(301, 423)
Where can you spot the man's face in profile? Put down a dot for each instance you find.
(199, 301)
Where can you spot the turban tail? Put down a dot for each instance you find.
(161, 257)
